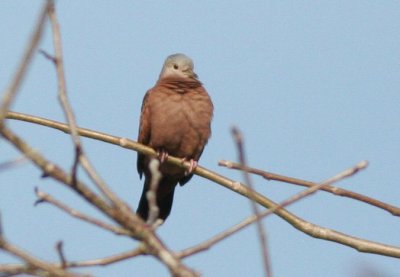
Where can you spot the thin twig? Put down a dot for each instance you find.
(332, 189)
(9, 164)
(18, 268)
(1, 227)
(48, 56)
(11, 91)
(62, 86)
(33, 261)
(110, 259)
(238, 137)
(9, 270)
(250, 220)
(61, 255)
(59, 63)
(47, 198)
(80, 156)
(307, 192)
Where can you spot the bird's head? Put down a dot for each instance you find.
(178, 65)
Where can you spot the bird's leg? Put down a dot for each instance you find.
(193, 165)
(162, 155)
(156, 224)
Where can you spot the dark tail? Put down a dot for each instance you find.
(165, 197)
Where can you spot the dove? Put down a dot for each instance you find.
(175, 120)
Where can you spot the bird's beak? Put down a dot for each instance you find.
(190, 73)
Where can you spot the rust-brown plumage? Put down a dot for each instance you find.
(175, 119)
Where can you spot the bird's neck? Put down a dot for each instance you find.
(179, 83)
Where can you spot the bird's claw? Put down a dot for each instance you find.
(162, 155)
(192, 166)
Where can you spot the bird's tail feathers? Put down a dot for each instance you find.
(165, 197)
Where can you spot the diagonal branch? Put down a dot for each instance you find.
(80, 156)
(300, 224)
(140, 250)
(148, 151)
(13, 269)
(9, 164)
(11, 91)
(332, 189)
(250, 220)
(124, 217)
(47, 198)
(32, 261)
(237, 135)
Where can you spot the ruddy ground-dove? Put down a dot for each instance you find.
(175, 120)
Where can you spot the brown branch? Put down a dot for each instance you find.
(298, 223)
(13, 269)
(80, 156)
(60, 251)
(332, 189)
(11, 91)
(8, 270)
(46, 198)
(238, 137)
(9, 164)
(148, 151)
(250, 220)
(62, 89)
(32, 261)
(110, 259)
(120, 214)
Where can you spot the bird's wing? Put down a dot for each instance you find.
(144, 130)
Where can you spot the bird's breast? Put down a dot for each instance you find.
(180, 122)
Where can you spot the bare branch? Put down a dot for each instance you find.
(59, 63)
(13, 269)
(123, 142)
(60, 251)
(111, 259)
(298, 223)
(44, 197)
(120, 214)
(250, 220)
(11, 91)
(9, 164)
(62, 87)
(1, 227)
(80, 156)
(8, 270)
(332, 189)
(237, 135)
(32, 261)
(48, 56)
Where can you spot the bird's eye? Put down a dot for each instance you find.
(176, 66)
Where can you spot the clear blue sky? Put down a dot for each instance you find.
(313, 85)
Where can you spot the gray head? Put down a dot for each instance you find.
(178, 65)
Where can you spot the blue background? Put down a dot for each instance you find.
(313, 85)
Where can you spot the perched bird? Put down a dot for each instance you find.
(175, 120)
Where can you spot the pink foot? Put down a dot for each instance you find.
(193, 165)
(162, 155)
